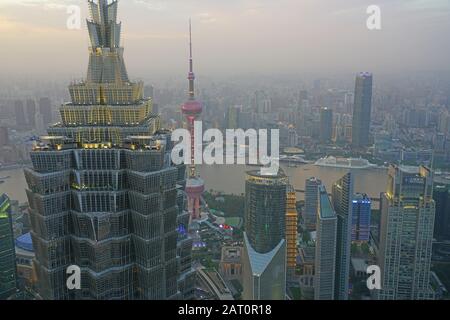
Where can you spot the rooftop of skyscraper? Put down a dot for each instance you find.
(409, 169)
(326, 208)
(255, 176)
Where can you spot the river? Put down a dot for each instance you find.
(231, 179)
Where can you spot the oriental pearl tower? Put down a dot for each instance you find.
(192, 110)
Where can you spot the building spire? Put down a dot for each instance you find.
(191, 75)
(190, 42)
(104, 31)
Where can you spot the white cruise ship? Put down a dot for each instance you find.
(348, 163)
(293, 159)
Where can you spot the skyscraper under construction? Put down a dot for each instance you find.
(103, 192)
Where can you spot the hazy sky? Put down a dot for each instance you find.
(234, 36)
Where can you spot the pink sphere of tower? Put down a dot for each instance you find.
(192, 107)
(194, 190)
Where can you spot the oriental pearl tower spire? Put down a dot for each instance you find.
(192, 110)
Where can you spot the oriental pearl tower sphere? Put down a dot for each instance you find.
(192, 110)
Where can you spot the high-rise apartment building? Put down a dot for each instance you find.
(362, 206)
(103, 192)
(406, 234)
(325, 257)
(264, 253)
(8, 273)
(311, 202)
(362, 110)
(342, 194)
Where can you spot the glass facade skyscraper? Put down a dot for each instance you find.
(103, 192)
(326, 125)
(8, 272)
(325, 258)
(441, 196)
(265, 209)
(311, 202)
(406, 234)
(362, 206)
(264, 258)
(342, 194)
(362, 110)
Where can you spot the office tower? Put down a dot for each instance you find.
(45, 109)
(264, 254)
(362, 109)
(155, 108)
(230, 266)
(7, 252)
(318, 84)
(103, 193)
(362, 207)
(187, 275)
(306, 270)
(325, 257)
(40, 126)
(441, 196)
(4, 136)
(245, 120)
(311, 202)
(266, 106)
(342, 194)
(192, 110)
(257, 103)
(31, 112)
(150, 91)
(291, 229)
(326, 125)
(444, 122)
(302, 113)
(20, 113)
(302, 96)
(292, 137)
(406, 234)
(24, 260)
(348, 102)
(232, 117)
(439, 142)
(416, 118)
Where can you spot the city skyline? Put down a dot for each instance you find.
(123, 181)
(221, 36)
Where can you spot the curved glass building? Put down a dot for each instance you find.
(264, 258)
